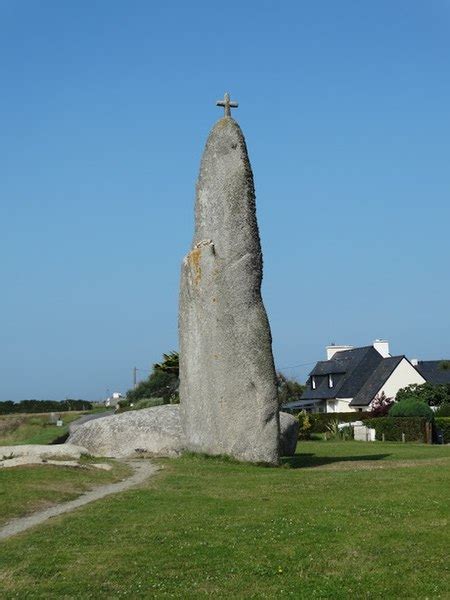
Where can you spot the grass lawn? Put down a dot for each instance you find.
(357, 520)
(33, 429)
(27, 489)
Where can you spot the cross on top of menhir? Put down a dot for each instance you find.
(227, 104)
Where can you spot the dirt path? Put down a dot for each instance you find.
(143, 469)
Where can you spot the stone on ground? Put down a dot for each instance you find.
(289, 427)
(34, 454)
(227, 377)
(156, 431)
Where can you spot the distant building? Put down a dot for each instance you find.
(113, 400)
(434, 371)
(351, 378)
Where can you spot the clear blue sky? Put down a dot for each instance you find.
(105, 109)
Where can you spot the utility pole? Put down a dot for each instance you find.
(134, 377)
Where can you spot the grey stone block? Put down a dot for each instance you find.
(227, 377)
(156, 431)
(289, 427)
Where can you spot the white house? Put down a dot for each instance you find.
(113, 400)
(351, 378)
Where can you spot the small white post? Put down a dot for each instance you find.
(403, 438)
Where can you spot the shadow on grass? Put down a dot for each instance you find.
(311, 460)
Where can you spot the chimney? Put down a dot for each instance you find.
(333, 348)
(414, 362)
(382, 347)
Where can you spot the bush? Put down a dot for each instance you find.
(335, 432)
(160, 384)
(304, 420)
(319, 421)
(443, 425)
(411, 407)
(443, 410)
(346, 433)
(431, 394)
(393, 427)
(148, 403)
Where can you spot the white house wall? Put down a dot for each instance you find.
(404, 374)
(339, 405)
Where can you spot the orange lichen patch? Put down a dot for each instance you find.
(194, 262)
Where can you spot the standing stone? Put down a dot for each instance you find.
(227, 377)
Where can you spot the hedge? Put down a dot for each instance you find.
(443, 424)
(394, 427)
(319, 421)
(443, 410)
(44, 406)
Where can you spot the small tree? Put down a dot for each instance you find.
(381, 405)
(170, 364)
(163, 383)
(431, 394)
(304, 425)
(288, 389)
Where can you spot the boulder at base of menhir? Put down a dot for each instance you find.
(289, 426)
(156, 431)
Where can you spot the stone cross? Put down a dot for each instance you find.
(227, 104)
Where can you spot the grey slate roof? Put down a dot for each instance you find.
(376, 381)
(358, 373)
(347, 368)
(432, 371)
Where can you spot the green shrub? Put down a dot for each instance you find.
(443, 410)
(393, 427)
(346, 433)
(148, 403)
(333, 429)
(304, 425)
(319, 421)
(411, 407)
(335, 432)
(443, 425)
(431, 394)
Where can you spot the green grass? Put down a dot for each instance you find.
(24, 490)
(33, 429)
(356, 520)
(321, 453)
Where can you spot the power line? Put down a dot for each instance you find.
(296, 366)
(316, 361)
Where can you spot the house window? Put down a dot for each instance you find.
(330, 380)
(313, 383)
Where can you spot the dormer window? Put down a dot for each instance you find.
(313, 383)
(330, 380)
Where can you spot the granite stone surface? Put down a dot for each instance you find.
(289, 427)
(155, 431)
(227, 377)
